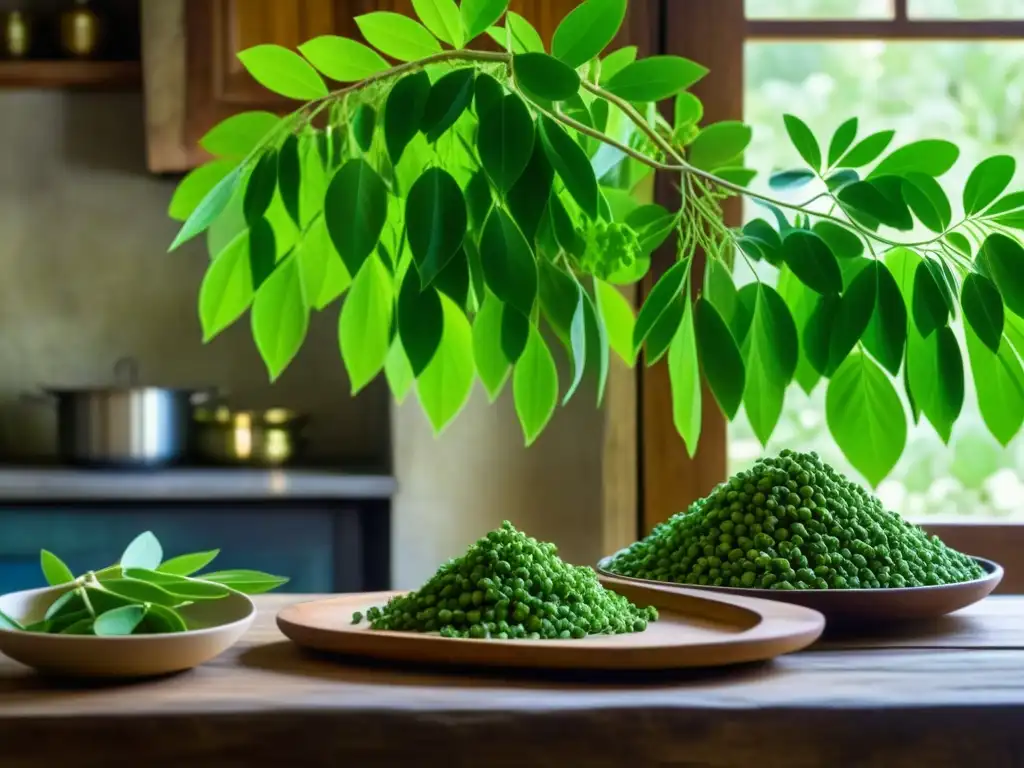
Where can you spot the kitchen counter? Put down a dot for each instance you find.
(943, 693)
(49, 484)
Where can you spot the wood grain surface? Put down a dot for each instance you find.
(945, 693)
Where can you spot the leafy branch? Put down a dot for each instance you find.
(465, 206)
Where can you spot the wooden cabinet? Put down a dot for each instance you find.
(193, 78)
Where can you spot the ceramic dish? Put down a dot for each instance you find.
(861, 605)
(218, 625)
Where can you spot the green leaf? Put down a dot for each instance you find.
(619, 319)
(616, 61)
(1010, 202)
(817, 333)
(211, 206)
(162, 620)
(655, 78)
(491, 364)
(289, 178)
(1005, 260)
(572, 165)
(664, 331)
(855, 312)
(559, 298)
(445, 384)
(398, 372)
(443, 19)
(930, 309)
(867, 150)
(280, 318)
(720, 358)
(1013, 220)
(355, 209)
(932, 157)
(983, 310)
(928, 201)
(999, 381)
(987, 181)
(140, 591)
(841, 141)
(791, 179)
(9, 623)
(186, 565)
(449, 98)
(770, 352)
(420, 321)
(667, 289)
(959, 242)
(364, 123)
(119, 621)
(403, 112)
(192, 189)
(260, 188)
(577, 343)
(528, 199)
(364, 329)
(866, 418)
(525, 37)
(179, 586)
(54, 570)
(342, 59)
(843, 243)
(719, 144)
(535, 386)
(478, 15)
(936, 375)
(505, 139)
(802, 302)
(249, 582)
(262, 252)
(240, 134)
(283, 71)
(802, 138)
(812, 261)
(886, 334)
(226, 291)
(436, 220)
(510, 268)
(68, 604)
(839, 179)
(587, 31)
(767, 239)
(398, 36)
(598, 356)
(684, 377)
(538, 74)
(144, 551)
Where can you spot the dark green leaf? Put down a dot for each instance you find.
(866, 418)
(930, 309)
(740, 176)
(587, 31)
(260, 188)
(720, 358)
(855, 312)
(81, 627)
(655, 78)
(791, 179)
(928, 201)
(528, 198)
(436, 220)
(289, 177)
(841, 140)
(1004, 258)
(566, 235)
(510, 268)
(478, 199)
(54, 570)
(119, 621)
(987, 181)
(780, 217)
(812, 261)
(668, 287)
(886, 334)
(843, 242)
(420, 321)
(453, 280)
(915, 410)
(515, 331)
(543, 76)
(959, 242)
(355, 209)
(559, 297)
(363, 125)
(140, 591)
(804, 141)
(162, 620)
(478, 15)
(69, 603)
(936, 374)
(897, 213)
(143, 552)
(505, 140)
(767, 238)
(752, 247)
(983, 309)
(488, 93)
(719, 288)
(863, 197)
(403, 112)
(719, 144)
(572, 165)
(999, 381)
(449, 98)
(262, 252)
(770, 351)
(249, 582)
(867, 150)
(1010, 202)
(665, 329)
(932, 157)
(839, 179)
(817, 335)
(186, 565)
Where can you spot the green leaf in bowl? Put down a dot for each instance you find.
(119, 621)
(186, 565)
(249, 582)
(54, 569)
(182, 586)
(141, 591)
(144, 552)
(162, 620)
(6, 622)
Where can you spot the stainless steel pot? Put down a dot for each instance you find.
(125, 424)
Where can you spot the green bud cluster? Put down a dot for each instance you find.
(509, 586)
(610, 246)
(793, 522)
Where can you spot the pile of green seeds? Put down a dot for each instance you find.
(793, 522)
(509, 586)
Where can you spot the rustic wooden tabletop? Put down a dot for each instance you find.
(946, 693)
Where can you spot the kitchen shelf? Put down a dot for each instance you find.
(70, 74)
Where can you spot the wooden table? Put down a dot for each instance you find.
(950, 693)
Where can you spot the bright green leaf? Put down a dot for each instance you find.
(1010, 202)
(441, 17)
(398, 372)
(283, 71)
(689, 109)
(355, 209)
(505, 139)
(139, 591)
(841, 140)
(208, 209)
(280, 317)
(238, 135)
(867, 150)
(227, 288)
(932, 157)
(186, 565)
(999, 381)
(587, 31)
(865, 417)
(119, 621)
(342, 59)
(249, 582)
(802, 138)
(196, 185)
(478, 15)
(445, 384)
(491, 364)
(843, 242)
(719, 144)
(54, 569)
(983, 310)
(770, 352)
(926, 198)
(572, 165)
(959, 242)
(684, 376)
(525, 37)
(398, 36)
(619, 319)
(538, 74)
(364, 329)
(811, 260)
(598, 356)
(802, 302)
(616, 61)
(665, 291)
(535, 386)
(655, 78)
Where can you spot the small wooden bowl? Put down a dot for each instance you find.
(861, 606)
(219, 625)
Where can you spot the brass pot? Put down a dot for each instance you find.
(257, 438)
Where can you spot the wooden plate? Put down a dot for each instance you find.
(883, 606)
(694, 630)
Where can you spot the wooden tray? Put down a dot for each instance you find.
(694, 630)
(862, 606)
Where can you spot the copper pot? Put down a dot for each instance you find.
(271, 437)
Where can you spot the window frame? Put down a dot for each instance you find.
(715, 32)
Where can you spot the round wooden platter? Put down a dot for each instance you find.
(694, 630)
(860, 606)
